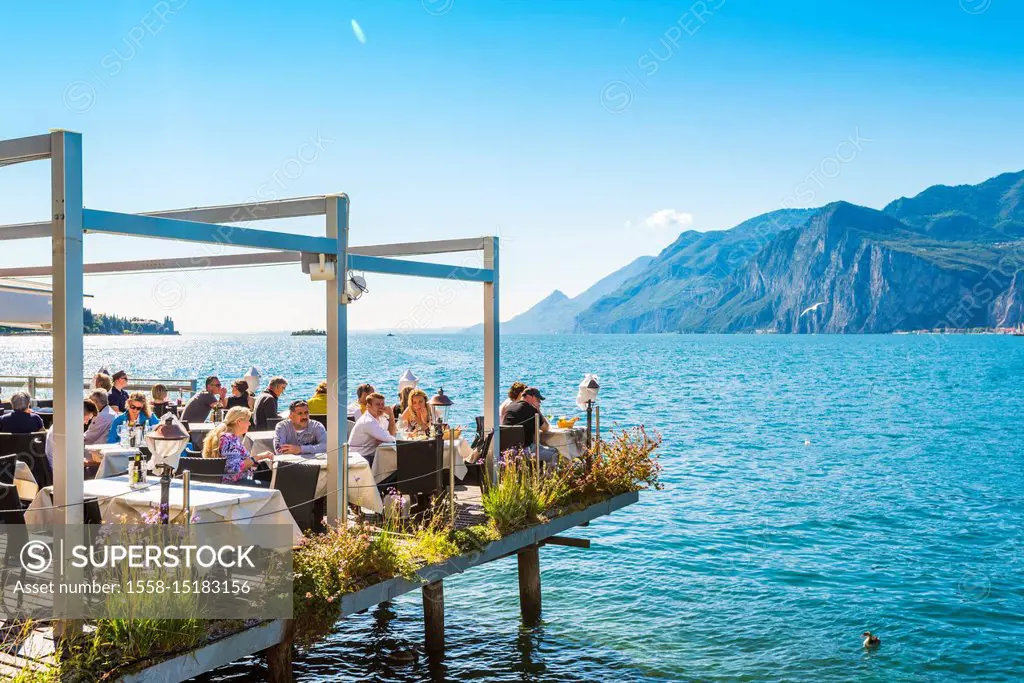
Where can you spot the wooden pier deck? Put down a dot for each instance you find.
(274, 637)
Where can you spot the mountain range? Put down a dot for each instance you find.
(949, 257)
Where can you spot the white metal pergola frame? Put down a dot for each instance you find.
(213, 225)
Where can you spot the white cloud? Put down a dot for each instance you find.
(668, 218)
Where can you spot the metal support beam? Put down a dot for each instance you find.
(420, 248)
(68, 347)
(492, 354)
(251, 211)
(135, 225)
(272, 258)
(337, 365)
(20, 150)
(391, 266)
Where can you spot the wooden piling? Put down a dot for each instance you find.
(279, 657)
(433, 618)
(529, 584)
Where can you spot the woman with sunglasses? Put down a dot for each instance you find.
(136, 413)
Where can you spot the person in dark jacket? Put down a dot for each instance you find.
(266, 404)
(118, 397)
(526, 412)
(21, 420)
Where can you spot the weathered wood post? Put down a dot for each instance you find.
(279, 657)
(529, 584)
(433, 618)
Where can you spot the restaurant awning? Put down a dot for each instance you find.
(26, 305)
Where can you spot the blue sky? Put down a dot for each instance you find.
(583, 133)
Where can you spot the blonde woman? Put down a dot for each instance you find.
(318, 403)
(417, 416)
(225, 441)
(159, 401)
(403, 402)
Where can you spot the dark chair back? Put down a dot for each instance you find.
(44, 403)
(512, 437)
(159, 409)
(272, 422)
(91, 511)
(297, 483)
(480, 436)
(8, 463)
(31, 449)
(209, 470)
(418, 462)
(322, 419)
(11, 512)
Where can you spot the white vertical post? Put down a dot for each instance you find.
(337, 364)
(68, 285)
(492, 354)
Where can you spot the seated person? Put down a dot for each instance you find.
(298, 435)
(225, 441)
(403, 402)
(118, 397)
(21, 419)
(358, 407)
(89, 412)
(526, 412)
(417, 417)
(240, 396)
(159, 403)
(202, 402)
(318, 403)
(515, 393)
(265, 407)
(367, 433)
(99, 428)
(137, 414)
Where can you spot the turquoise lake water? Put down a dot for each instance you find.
(816, 487)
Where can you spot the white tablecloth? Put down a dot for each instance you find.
(259, 442)
(385, 462)
(113, 459)
(24, 482)
(212, 502)
(569, 442)
(362, 489)
(198, 432)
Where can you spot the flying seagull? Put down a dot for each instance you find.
(812, 308)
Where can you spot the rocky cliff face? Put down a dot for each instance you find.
(950, 257)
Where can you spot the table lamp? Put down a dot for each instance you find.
(166, 441)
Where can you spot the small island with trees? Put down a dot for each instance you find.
(309, 333)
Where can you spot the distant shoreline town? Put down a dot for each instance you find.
(107, 325)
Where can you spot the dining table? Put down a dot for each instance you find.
(570, 441)
(362, 488)
(209, 502)
(197, 433)
(385, 460)
(112, 457)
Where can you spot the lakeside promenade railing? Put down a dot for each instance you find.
(34, 383)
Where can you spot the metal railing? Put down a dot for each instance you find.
(33, 384)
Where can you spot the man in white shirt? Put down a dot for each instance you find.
(99, 428)
(368, 432)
